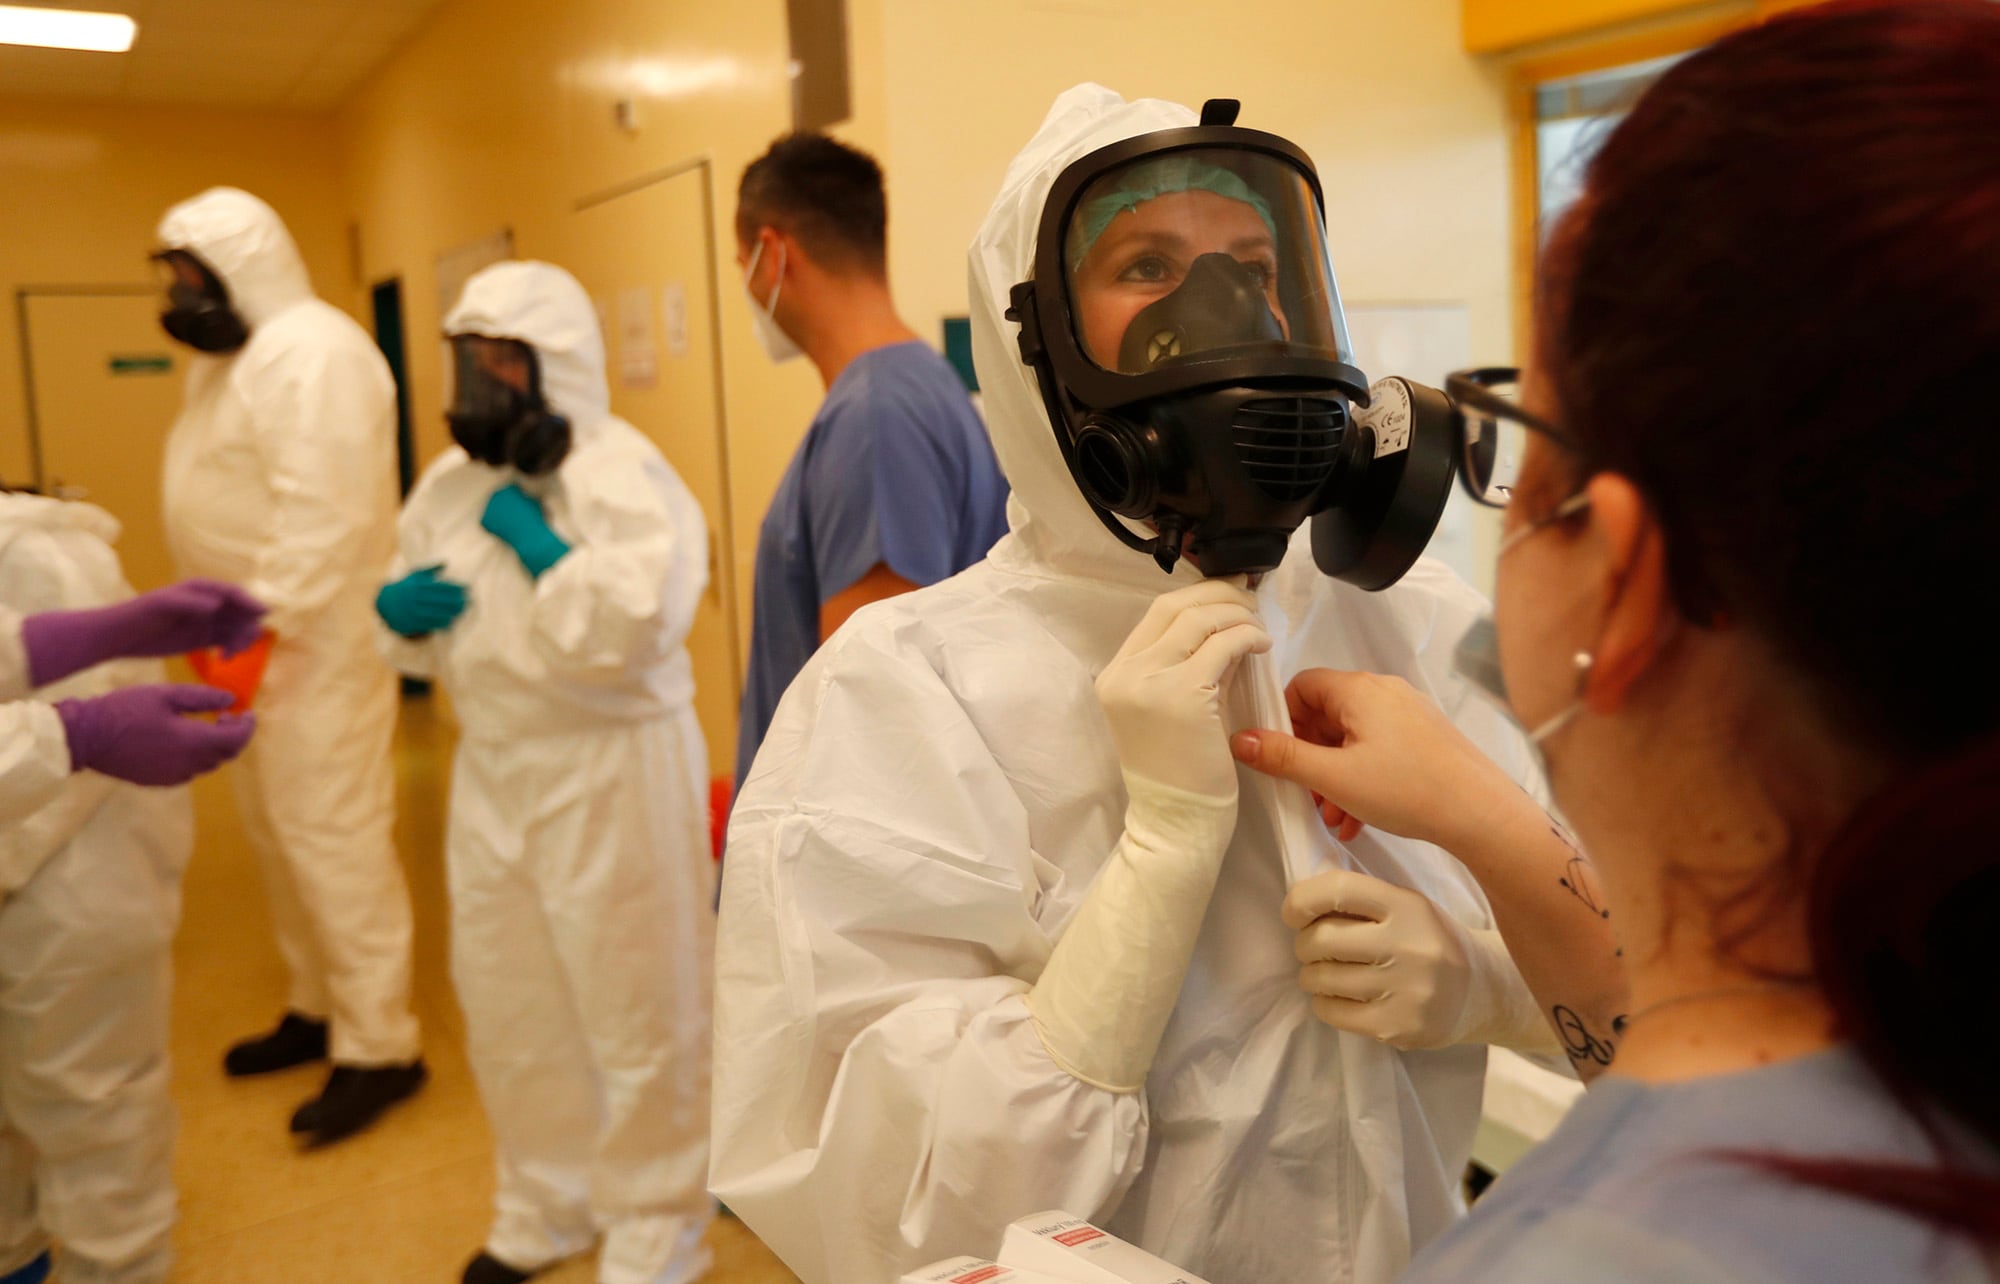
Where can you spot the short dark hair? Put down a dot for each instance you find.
(826, 194)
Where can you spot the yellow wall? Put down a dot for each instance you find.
(1408, 132)
(82, 187)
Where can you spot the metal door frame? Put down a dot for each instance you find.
(726, 564)
(22, 294)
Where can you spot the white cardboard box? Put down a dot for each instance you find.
(975, 1270)
(1070, 1248)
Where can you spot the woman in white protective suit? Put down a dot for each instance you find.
(1001, 919)
(280, 476)
(548, 573)
(89, 898)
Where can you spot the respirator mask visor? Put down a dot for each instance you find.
(497, 412)
(1186, 331)
(1176, 258)
(197, 311)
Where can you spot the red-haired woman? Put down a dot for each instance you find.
(1753, 513)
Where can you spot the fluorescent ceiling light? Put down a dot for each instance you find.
(66, 29)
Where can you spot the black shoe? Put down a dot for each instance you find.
(297, 1041)
(488, 1269)
(355, 1096)
(38, 1270)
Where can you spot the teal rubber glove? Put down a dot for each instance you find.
(420, 603)
(515, 518)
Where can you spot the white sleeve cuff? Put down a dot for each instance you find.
(34, 758)
(13, 658)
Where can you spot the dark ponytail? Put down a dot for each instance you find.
(1905, 923)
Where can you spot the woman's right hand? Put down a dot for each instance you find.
(1162, 694)
(1375, 752)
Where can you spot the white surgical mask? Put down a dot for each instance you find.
(1476, 658)
(771, 336)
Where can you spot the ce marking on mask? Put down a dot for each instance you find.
(1389, 416)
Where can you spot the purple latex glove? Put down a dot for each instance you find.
(141, 734)
(170, 621)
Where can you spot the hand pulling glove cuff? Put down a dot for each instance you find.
(169, 621)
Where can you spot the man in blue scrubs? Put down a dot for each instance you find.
(895, 485)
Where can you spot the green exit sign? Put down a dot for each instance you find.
(151, 364)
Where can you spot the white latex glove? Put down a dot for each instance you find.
(1164, 690)
(1385, 962)
(1103, 1001)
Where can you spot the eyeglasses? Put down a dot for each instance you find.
(1493, 431)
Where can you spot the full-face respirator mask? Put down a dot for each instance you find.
(498, 413)
(198, 311)
(1186, 332)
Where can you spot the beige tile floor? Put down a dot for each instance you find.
(407, 1201)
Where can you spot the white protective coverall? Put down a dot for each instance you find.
(936, 795)
(34, 749)
(281, 478)
(577, 846)
(89, 898)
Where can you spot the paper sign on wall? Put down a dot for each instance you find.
(674, 312)
(638, 357)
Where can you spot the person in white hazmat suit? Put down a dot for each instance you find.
(1001, 921)
(549, 570)
(281, 477)
(89, 898)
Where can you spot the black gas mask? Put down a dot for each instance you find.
(198, 312)
(1186, 331)
(498, 413)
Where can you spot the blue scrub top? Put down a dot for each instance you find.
(895, 470)
(1649, 1184)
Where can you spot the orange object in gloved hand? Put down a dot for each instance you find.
(240, 675)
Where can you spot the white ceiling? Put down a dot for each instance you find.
(286, 55)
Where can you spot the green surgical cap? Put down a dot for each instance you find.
(1162, 177)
